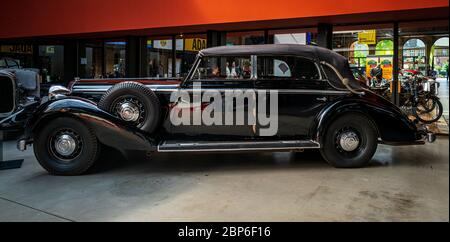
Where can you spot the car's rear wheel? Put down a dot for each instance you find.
(66, 146)
(350, 141)
(133, 103)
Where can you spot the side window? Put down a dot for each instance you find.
(287, 67)
(330, 74)
(2, 63)
(233, 68)
(12, 64)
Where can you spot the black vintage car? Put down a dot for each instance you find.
(19, 96)
(314, 99)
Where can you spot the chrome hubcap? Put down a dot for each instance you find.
(65, 145)
(349, 141)
(129, 112)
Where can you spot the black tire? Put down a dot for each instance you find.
(85, 155)
(143, 97)
(366, 132)
(424, 117)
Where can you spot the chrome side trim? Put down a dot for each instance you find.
(104, 88)
(131, 79)
(165, 88)
(290, 145)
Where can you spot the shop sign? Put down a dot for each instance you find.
(166, 44)
(387, 66)
(50, 49)
(368, 37)
(17, 49)
(195, 44)
(298, 38)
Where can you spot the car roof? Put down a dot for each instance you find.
(306, 51)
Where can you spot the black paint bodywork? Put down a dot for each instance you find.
(303, 115)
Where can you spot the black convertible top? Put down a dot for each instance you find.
(307, 51)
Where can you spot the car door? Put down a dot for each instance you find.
(302, 92)
(211, 77)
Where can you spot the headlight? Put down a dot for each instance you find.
(55, 91)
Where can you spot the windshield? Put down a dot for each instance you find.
(211, 67)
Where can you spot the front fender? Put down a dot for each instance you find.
(109, 130)
(392, 124)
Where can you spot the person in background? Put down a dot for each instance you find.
(234, 73)
(247, 71)
(377, 76)
(151, 68)
(160, 70)
(215, 71)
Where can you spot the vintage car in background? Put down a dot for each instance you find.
(19, 97)
(9, 63)
(320, 106)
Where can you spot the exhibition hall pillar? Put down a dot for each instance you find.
(325, 36)
(133, 57)
(396, 67)
(215, 38)
(71, 63)
(143, 55)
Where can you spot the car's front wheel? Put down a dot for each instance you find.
(350, 141)
(66, 146)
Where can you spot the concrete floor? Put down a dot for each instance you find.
(402, 184)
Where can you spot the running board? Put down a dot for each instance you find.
(217, 146)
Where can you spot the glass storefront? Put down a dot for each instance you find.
(160, 50)
(91, 60)
(366, 47)
(188, 47)
(293, 36)
(440, 56)
(424, 48)
(159, 57)
(51, 63)
(20, 53)
(115, 58)
(245, 38)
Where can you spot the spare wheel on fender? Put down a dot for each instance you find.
(133, 103)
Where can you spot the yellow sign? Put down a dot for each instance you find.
(17, 49)
(386, 63)
(371, 62)
(194, 44)
(368, 37)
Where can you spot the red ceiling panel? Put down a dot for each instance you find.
(24, 18)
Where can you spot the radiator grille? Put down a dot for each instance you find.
(6, 95)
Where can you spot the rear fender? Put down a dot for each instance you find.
(392, 125)
(109, 130)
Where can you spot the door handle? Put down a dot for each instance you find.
(323, 99)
